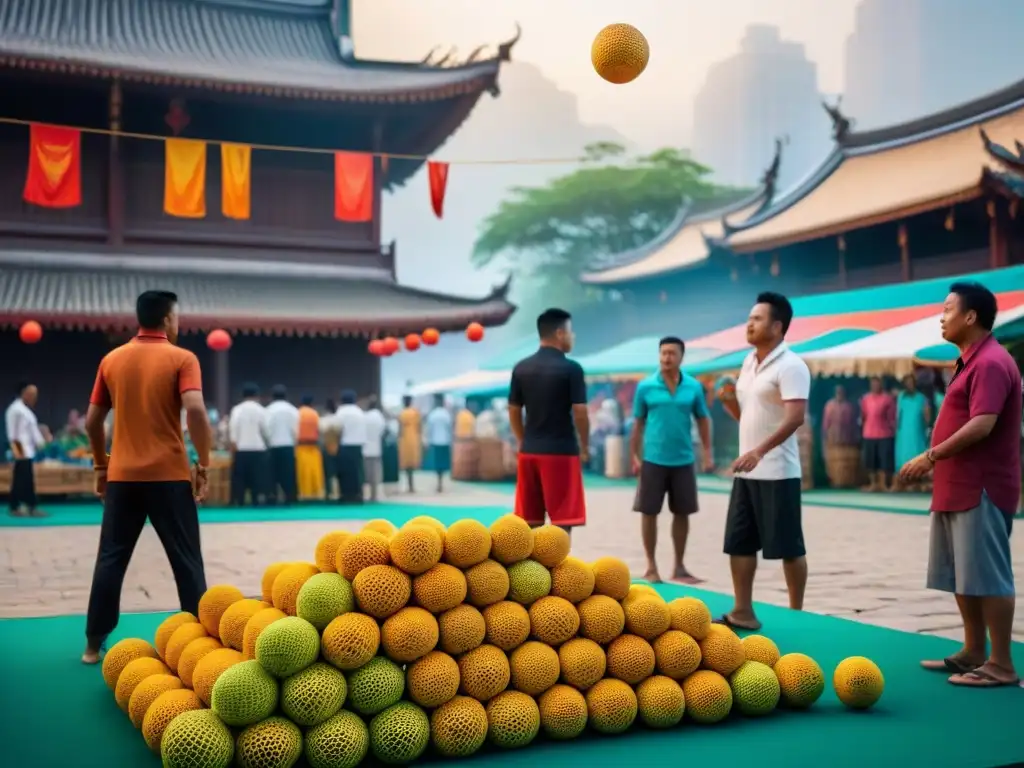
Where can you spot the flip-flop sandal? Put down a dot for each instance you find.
(979, 678)
(727, 621)
(949, 664)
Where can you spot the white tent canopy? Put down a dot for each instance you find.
(892, 352)
(456, 384)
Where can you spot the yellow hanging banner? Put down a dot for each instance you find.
(185, 178)
(235, 180)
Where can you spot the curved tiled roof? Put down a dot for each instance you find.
(99, 291)
(890, 173)
(273, 48)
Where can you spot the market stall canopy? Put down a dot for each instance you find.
(869, 309)
(635, 358)
(458, 385)
(897, 351)
(734, 360)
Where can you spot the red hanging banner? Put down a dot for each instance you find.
(353, 187)
(54, 178)
(438, 174)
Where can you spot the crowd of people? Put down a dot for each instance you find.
(283, 453)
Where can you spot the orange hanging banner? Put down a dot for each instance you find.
(54, 178)
(185, 178)
(353, 186)
(235, 180)
(438, 174)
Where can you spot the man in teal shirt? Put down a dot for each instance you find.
(662, 453)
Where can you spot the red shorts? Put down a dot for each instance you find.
(552, 484)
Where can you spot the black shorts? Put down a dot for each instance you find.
(879, 455)
(764, 516)
(657, 481)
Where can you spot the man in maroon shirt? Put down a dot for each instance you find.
(975, 464)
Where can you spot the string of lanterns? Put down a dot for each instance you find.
(390, 345)
(219, 340)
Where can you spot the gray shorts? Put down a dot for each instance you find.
(373, 470)
(970, 552)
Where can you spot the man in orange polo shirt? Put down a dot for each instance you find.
(147, 382)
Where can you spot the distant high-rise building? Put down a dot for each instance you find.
(768, 90)
(908, 58)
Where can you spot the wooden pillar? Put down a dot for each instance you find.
(998, 235)
(906, 270)
(222, 382)
(844, 278)
(115, 179)
(379, 169)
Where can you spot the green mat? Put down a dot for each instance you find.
(92, 514)
(59, 713)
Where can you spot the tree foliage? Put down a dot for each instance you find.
(612, 204)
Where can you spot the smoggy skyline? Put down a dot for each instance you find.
(686, 38)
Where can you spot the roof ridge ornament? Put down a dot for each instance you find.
(841, 124)
(1015, 162)
(505, 49)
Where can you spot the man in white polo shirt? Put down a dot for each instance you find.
(25, 437)
(770, 403)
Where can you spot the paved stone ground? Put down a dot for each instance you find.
(866, 566)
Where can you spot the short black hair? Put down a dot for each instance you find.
(250, 389)
(781, 309)
(307, 399)
(279, 392)
(673, 340)
(975, 296)
(439, 400)
(153, 307)
(348, 397)
(330, 406)
(406, 400)
(551, 321)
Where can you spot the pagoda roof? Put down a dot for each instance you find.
(892, 173)
(259, 46)
(98, 291)
(685, 242)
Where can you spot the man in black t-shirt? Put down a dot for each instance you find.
(553, 437)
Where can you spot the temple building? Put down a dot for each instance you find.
(935, 197)
(271, 87)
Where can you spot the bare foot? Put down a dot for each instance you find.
(652, 576)
(683, 576)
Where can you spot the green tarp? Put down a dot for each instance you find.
(636, 357)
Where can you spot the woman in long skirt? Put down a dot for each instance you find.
(410, 440)
(913, 417)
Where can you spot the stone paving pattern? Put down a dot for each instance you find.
(866, 566)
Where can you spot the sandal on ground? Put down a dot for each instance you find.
(981, 678)
(949, 664)
(728, 621)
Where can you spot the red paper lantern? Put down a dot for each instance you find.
(390, 345)
(376, 347)
(474, 332)
(431, 336)
(30, 332)
(218, 340)
(412, 342)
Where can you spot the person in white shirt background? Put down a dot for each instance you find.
(439, 440)
(352, 420)
(282, 430)
(25, 437)
(373, 448)
(770, 403)
(249, 462)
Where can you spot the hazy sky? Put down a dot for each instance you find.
(685, 38)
